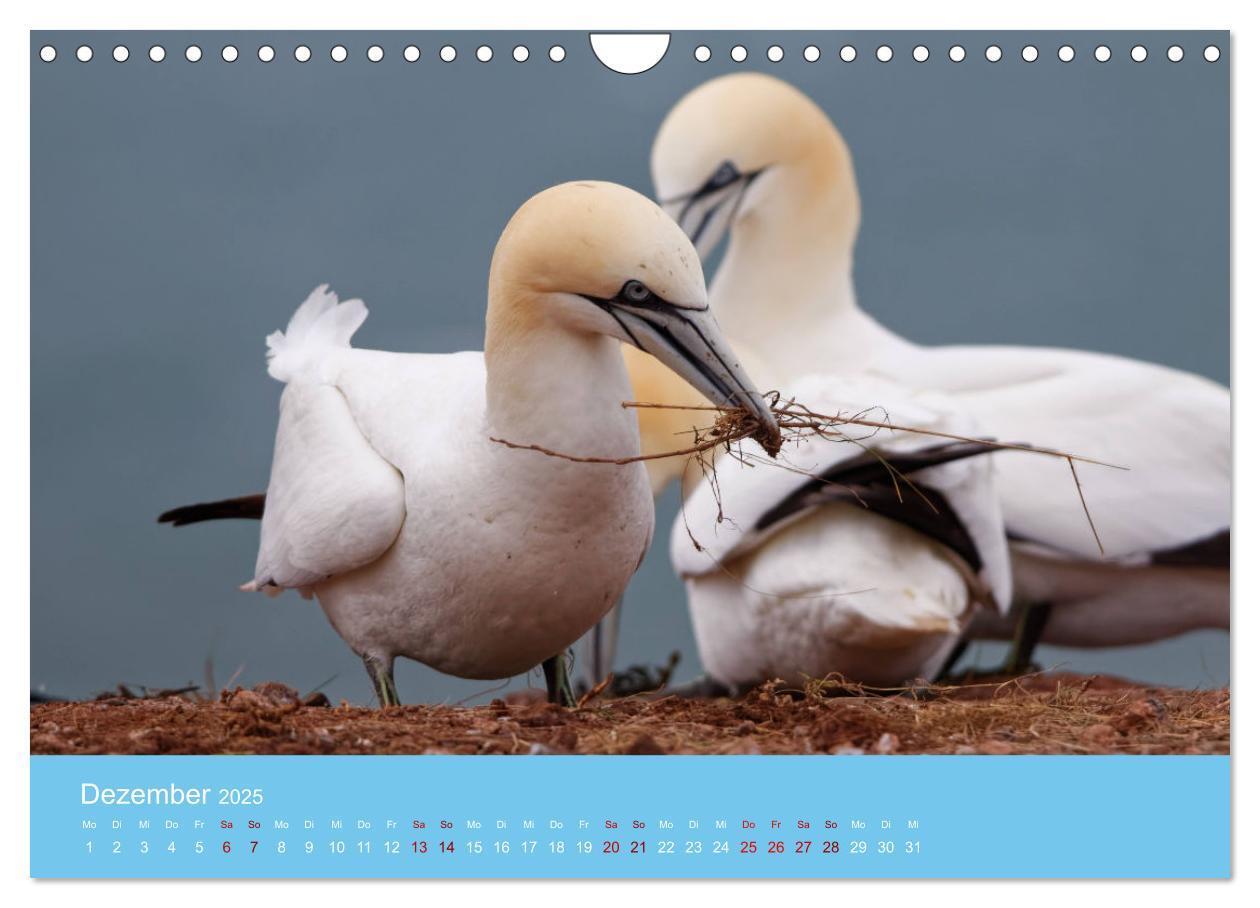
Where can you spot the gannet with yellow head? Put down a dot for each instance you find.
(751, 156)
(420, 535)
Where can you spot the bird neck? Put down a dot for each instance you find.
(554, 387)
(785, 286)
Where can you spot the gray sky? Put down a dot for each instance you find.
(180, 212)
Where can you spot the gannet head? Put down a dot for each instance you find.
(599, 258)
(737, 144)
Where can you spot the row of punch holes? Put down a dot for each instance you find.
(775, 53)
(921, 53)
(338, 53)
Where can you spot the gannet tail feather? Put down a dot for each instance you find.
(247, 507)
(319, 325)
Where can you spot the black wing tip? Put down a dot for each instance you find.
(247, 507)
(176, 517)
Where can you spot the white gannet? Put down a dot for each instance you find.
(751, 156)
(420, 535)
(853, 569)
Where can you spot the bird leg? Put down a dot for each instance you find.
(1032, 623)
(381, 671)
(556, 671)
(602, 647)
(954, 657)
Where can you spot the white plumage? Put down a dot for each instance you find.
(837, 586)
(389, 498)
(784, 290)
(420, 536)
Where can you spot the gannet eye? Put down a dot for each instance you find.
(636, 292)
(724, 175)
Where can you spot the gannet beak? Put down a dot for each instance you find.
(688, 340)
(706, 214)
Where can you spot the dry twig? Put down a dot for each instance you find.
(732, 425)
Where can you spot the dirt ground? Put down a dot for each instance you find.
(1038, 714)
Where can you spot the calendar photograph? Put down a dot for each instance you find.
(603, 399)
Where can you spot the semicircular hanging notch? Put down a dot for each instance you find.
(629, 53)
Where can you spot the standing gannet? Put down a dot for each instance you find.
(423, 537)
(752, 156)
(870, 566)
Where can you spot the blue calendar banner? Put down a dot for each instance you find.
(591, 817)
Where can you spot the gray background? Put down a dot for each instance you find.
(180, 211)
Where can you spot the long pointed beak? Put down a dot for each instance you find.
(689, 342)
(707, 214)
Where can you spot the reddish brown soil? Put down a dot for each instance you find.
(1037, 714)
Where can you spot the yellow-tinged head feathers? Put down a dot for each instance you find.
(589, 238)
(585, 261)
(758, 124)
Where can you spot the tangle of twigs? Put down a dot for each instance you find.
(732, 425)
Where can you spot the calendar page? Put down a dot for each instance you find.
(769, 454)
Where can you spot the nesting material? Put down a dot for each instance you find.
(731, 426)
(1042, 714)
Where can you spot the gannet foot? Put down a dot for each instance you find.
(381, 671)
(643, 679)
(556, 671)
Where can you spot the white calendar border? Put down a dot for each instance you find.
(576, 14)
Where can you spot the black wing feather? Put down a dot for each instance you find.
(247, 507)
(867, 481)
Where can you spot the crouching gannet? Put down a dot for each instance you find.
(866, 558)
(423, 537)
(750, 155)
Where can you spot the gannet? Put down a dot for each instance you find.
(865, 558)
(751, 156)
(422, 536)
